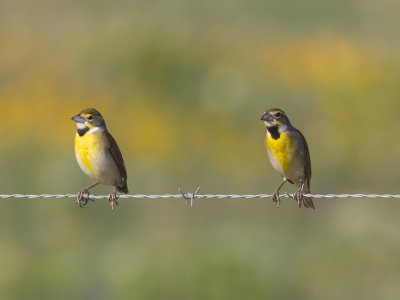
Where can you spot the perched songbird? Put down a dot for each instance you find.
(288, 153)
(98, 155)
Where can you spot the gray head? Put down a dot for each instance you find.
(275, 117)
(90, 118)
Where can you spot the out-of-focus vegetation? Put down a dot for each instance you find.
(182, 86)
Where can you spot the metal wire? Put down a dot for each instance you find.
(189, 197)
(192, 196)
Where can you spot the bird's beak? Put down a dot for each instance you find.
(78, 119)
(267, 117)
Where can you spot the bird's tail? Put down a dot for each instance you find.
(123, 187)
(307, 201)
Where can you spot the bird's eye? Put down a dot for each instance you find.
(278, 114)
(90, 118)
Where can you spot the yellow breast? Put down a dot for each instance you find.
(87, 149)
(281, 149)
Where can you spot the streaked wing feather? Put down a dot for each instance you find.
(116, 155)
(306, 154)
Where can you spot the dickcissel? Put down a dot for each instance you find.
(288, 153)
(98, 155)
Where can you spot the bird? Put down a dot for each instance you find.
(288, 154)
(98, 155)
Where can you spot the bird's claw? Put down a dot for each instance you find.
(298, 196)
(276, 198)
(112, 197)
(82, 198)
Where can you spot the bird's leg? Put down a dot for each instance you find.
(275, 195)
(113, 198)
(82, 197)
(298, 196)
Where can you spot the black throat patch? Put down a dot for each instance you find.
(273, 130)
(82, 131)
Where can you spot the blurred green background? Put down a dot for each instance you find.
(182, 86)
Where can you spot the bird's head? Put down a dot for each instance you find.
(89, 118)
(275, 117)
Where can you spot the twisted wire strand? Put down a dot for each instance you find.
(199, 196)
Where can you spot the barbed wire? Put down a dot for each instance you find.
(189, 197)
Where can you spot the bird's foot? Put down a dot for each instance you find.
(276, 198)
(82, 198)
(112, 197)
(298, 196)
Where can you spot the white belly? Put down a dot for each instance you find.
(94, 158)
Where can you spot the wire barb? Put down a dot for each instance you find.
(189, 196)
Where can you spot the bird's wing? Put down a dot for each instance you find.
(116, 155)
(306, 154)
